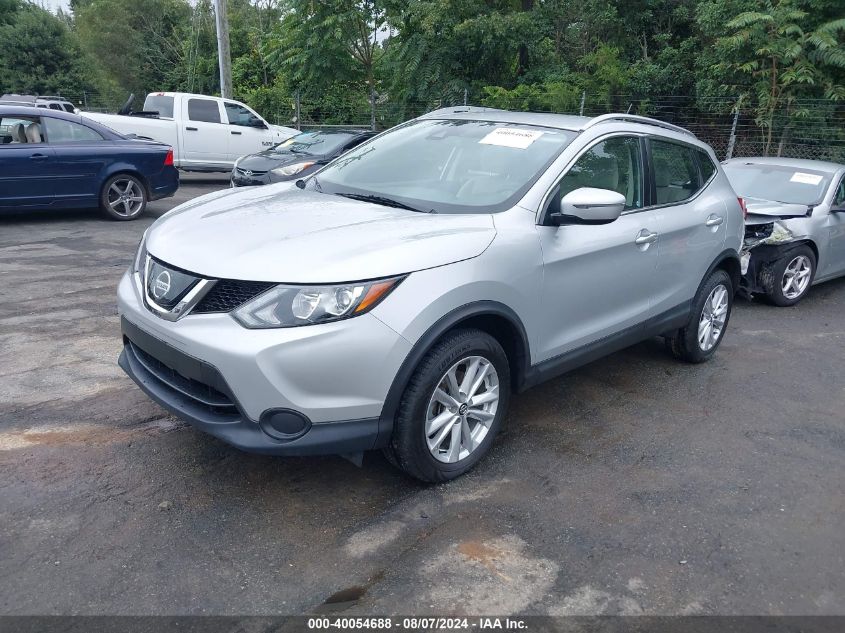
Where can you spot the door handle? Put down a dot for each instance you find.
(192, 129)
(233, 132)
(38, 157)
(714, 220)
(645, 237)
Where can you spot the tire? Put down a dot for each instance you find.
(788, 279)
(695, 343)
(123, 197)
(420, 454)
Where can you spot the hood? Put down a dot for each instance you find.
(280, 233)
(267, 160)
(763, 211)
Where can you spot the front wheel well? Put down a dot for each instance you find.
(507, 334)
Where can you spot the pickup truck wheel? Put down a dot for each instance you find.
(711, 308)
(787, 280)
(123, 197)
(452, 408)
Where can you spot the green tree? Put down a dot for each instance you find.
(782, 60)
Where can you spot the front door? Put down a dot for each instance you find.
(27, 164)
(81, 154)
(599, 280)
(247, 132)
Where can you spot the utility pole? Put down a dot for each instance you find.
(224, 56)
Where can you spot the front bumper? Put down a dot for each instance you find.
(230, 381)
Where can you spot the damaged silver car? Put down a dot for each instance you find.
(794, 226)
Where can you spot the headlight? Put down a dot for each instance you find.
(292, 306)
(292, 170)
(140, 255)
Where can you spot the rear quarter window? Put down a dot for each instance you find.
(204, 110)
(706, 165)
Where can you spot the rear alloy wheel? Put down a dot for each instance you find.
(452, 408)
(711, 308)
(123, 197)
(788, 280)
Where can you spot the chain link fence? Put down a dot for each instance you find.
(812, 128)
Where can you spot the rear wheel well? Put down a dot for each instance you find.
(731, 266)
(128, 172)
(508, 336)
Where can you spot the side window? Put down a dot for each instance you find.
(203, 110)
(839, 198)
(676, 176)
(20, 130)
(61, 131)
(613, 164)
(238, 114)
(705, 164)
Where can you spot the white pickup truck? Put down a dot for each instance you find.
(206, 133)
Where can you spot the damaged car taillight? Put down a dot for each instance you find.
(743, 207)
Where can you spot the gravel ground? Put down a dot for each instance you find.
(633, 485)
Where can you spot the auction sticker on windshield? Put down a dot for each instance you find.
(807, 179)
(511, 137)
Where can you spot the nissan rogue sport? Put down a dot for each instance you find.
(396, 298)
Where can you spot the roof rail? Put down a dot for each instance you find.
(604, 118)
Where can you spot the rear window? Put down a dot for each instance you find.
(159, 103)
(205, 110)
(779, 183)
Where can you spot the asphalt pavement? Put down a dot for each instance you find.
(633, 485)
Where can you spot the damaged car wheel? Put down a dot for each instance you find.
(788, 279)
(711, 308)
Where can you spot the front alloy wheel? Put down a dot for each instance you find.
(796, 277)
(460, 410)
(787, 280)
(452, 407)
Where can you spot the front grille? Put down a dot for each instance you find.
(252, 172)
(228, 294)
(206, 396)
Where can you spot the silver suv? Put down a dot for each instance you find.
(396, 298)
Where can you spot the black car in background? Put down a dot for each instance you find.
(52, 159)
(296, 157)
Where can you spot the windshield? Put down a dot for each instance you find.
(779, 183)
(448, 166)
(314, 143)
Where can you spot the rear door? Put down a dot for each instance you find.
(248, 133)
(81, 154)
(599, 280)
(205, 136)
(691, 218)
(27, 165)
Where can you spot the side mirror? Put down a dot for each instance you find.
(588, 205)
(254, 121)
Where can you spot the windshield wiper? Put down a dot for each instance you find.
(387, 202)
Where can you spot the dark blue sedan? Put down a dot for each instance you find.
(55, 160)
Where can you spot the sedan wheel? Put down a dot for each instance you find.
(123, 197)
(796, 277)
(461, 409)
